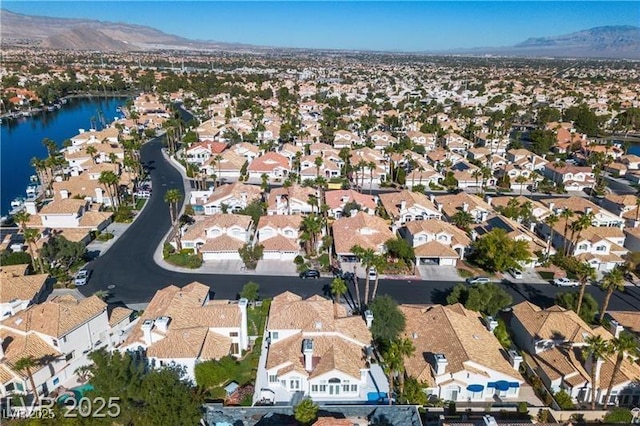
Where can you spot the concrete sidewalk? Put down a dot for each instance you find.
(117, 229)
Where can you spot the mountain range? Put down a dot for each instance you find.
(87, 34)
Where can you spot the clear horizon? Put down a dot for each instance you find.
(391, 26)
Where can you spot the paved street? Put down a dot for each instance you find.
(130, 273)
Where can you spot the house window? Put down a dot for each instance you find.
(582, 247)
(601, 248)
(354, 388)
(314, 388)
(235, 348)
(64, 339)
(345, 388)
(233, 334)
(273, 378)
(294, 384)
(323, 388)
(55, 343)
(274, 335)
(69, 356)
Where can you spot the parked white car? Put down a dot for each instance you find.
(82, 277)
(565, 282)
(372, 274)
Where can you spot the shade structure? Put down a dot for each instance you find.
(501, 385)
(475, 388)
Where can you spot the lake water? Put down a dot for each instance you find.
(21, 140)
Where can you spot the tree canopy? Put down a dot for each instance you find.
(388, 320)
(486, 298)
(60, 252)
(496, 251)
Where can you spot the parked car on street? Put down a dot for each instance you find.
(565, 282)
(82, 277)
(478, 280)
(372, 274)
(310, 273)
(515, 273)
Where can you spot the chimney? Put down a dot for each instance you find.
(615, 328)
(489, 200)
(474, 235)
(465, 207)
(483, 216)
(432, 198)
(278, 199)
(30, 207)
(244, 331)
(368, 317)
(551, 206)
(64, 193)
(587, 210)
(243, 196)
(515, 358)
(492, 324)
(162, 324)
(147, 325)
(403, 205)
(441, 364)
(99, 198)
(532, 226)
(1, 348)
(439, 206)
(307, 350)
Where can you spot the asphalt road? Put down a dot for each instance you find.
(127, 270)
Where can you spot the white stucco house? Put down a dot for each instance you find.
(218, 237)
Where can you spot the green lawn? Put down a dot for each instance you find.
(256, 318)
(140, 203)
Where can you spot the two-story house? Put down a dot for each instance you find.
(345, 139)
(457, 356)
(340, 200)
(574, 178)
(450, 204)
(436, 242)
(295, 199)
(368, 232)
(625, 206)
(19, 290)
(272, 164)
(555, 339)
(58, 334)
(406, 206)
(317, 351)
(280, 236)
(231, 197)
(218, 237)
(183, 326)
(200, 152)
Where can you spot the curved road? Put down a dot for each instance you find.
(127, 270)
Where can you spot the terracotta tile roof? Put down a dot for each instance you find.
(628, 319)
(17, 345)
(331, 421)
(14, 284)
(363, 230)
(268, 162)
(118, 314)
(452, 203)
(236, 190)
(334, 199)
(182, 343)
(280, 221)
(455, 332)
(63, 206)
(434, 227)
(56, 317)
(392, 200)
(296, 192)
(93, 219)
(222, 243)
(215, 346)
(435, 249)
(280, 243)
(554, 322)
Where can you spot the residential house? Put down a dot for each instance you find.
(574, 178)
(458, 357)
(248, 151)
(406, 206)
(382, 140)
(19, 290)
(219, 236)
(59, 334)
(339, 199)
(631, 161)
(199, 153)
(231, 197)
(183, 327)
(369, 232)
(555, 340)
(456, 143)
(537, 210)
(579, 205)
(345, 139)
(313, 352)
(225, 166)
(436, 242)
(280, 236)
(272, 164)
(295, 200)
(450, 204)
(428, 140)
(625, 206)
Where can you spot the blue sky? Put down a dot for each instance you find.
(404, 26)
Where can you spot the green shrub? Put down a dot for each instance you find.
(299, 260)
(619, 415)
(14, 258)
(564, 400)
(167, 249)
(190, 261)
(324, 261)
(123, 214)
(523, 407)
(104, 236)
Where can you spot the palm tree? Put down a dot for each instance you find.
(584, 272)
(393, 364)
(30, 237)
(584, 222)
(109, 179)
(113, 158)
(26, 364)
(551, 220)
(338, 289)
(21, 218)
(311, 226)
(612, 281)
(520, 180)
(476, 174)
(624, 346)
(597, 348)
(366, 257)
(404, 348)
(361, 166)
(462, 219)
(91, 151)
(566, 215)
(637, 208)
(287, 185)
(218, 158)
(173, 197)
(318, 161)
(379, 262)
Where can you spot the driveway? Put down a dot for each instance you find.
(439, 273)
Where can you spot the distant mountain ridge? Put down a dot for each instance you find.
(87, 34)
